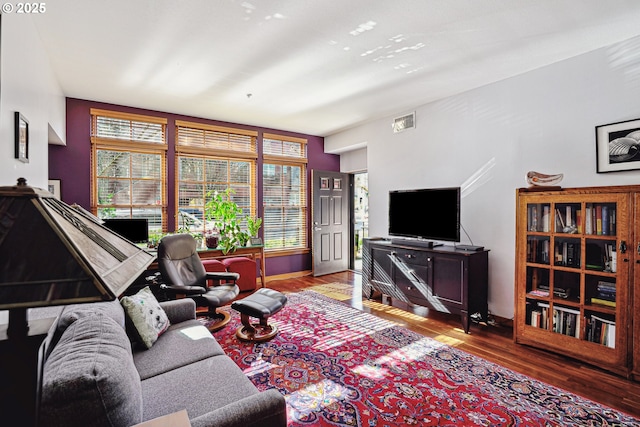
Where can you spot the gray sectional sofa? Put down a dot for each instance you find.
(94, 376)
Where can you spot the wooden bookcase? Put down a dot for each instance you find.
(576, 266)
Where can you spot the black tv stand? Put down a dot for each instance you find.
(417, 278)
(415, 242)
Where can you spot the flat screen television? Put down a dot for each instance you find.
(135, 230)
(429, 213)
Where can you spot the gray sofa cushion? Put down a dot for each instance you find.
(181, 344)
(70, 313)
(200, 387)
(89, 378)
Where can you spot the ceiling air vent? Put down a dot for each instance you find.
(405, 122)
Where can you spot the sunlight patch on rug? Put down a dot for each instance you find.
(338, 366)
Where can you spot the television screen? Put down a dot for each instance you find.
(135, 230)
(430, 213)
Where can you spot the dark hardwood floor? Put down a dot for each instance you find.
(494, 343)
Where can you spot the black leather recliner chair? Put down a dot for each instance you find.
(183, 274)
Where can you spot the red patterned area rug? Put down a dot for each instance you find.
(338, 366)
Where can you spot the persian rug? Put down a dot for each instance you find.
(339, 366)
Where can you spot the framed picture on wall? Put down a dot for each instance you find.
(54, 188)
(618, 146)
(22, 137)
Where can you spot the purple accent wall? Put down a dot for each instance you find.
(72, 165)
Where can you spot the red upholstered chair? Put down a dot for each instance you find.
(246, 268)
(214, 266)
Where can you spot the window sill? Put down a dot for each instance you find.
(272, 253)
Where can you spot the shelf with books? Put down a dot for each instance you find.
(537, 314)
(566, 285)
(567, 252)
(600, 254)
(566, 321)
(601, 293)
(568, 218)
(538, 281)
(539, 217)
(600, 328)
(600, 219)
(538, 249)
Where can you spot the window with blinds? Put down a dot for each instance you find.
(284, 192)
(211, 158)
(128, 167)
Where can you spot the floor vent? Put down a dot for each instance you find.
(403, 123)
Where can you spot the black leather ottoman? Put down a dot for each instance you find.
(261, 304)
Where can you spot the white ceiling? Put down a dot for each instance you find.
(316, 67)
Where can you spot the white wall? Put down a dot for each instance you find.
(353, 161)
(29, 86)
(487, 139)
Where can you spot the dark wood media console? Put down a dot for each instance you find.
(441, 278)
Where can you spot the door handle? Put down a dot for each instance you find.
(317, 228)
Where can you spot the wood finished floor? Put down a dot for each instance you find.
(493, 343)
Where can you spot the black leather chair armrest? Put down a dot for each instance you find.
(215, 275)
(187, 290)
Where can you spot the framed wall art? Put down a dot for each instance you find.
(618, 146)
(22, 137)
(324, 183)
(54, 188)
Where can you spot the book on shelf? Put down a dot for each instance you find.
(560, 224)
(539, 293)
(606, 287)
(536, 318)
(603, 301)
(558, 292)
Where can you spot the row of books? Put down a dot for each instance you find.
(538, 251)
(605, 294)
(600, 330)
(569, 221)
(566, 321)
(538, 217)
(598, 219)
(567, 254)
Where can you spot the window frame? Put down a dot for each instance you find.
(103, 143)
(301, 162)
(207, 152)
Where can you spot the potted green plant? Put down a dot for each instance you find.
(253, 226)
(225, 215)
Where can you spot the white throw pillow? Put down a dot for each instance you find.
(147, 316)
